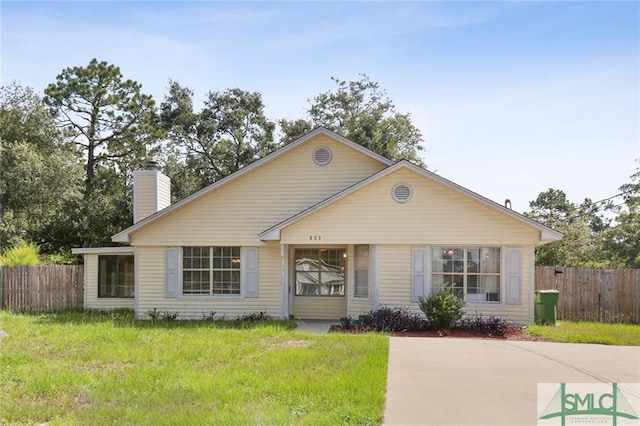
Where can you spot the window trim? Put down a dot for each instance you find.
(465, 274)
(210, 295)
(355, 296)
(117, 257)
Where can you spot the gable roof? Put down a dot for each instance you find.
(546, 234)
(125, 235)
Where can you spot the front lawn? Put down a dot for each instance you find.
(88, 368)
(589, 332)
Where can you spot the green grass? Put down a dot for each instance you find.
(589, 332)
(91, 368)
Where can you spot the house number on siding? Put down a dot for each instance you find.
(315, 237)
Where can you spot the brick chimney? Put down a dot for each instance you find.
(151, 191)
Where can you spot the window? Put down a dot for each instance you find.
(361, 269)
(211, 270)
(115, 276)
(320, 272)
(474, 272)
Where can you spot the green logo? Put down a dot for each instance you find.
(590, 402)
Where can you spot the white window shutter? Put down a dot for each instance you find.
(172, 271)
(418, 272)
(514, 276)
(249, 260)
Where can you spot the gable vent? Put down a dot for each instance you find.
(322, 155)
(401, 192)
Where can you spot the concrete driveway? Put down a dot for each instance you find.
(433, 381)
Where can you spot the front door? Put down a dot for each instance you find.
(319, 283)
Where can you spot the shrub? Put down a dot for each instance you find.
(347, 323)
(169, 316)
(442, 309)
(156, 315)
(59, 258)
(256, 316)
(211, 316)
(22, 254)
(392, 319)
(478, 324)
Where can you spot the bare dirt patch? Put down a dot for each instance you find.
(293, 344)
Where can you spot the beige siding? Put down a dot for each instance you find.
(152, 192)
(329, 308)
(163, 192)
(92, 301)
(394, 275)
(236, 213)
(434, 215)
(359, 306)
(145, 195)
(151, 270)
(395, 285)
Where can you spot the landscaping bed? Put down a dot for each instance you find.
(513, 332)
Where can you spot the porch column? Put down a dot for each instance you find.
(284, 273)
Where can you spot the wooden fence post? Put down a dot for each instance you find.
(2, 287)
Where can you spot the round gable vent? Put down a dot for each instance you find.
(401, 192)
(322, 155)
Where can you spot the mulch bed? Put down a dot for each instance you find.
(513, 333)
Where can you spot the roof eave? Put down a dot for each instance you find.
(270, 235)
(102, 250)
(549, 235)
(122, 237)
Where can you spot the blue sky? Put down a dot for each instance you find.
(512, 97)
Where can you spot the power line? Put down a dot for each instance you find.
(586, 210)
(593, 203)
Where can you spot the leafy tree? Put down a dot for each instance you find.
(581, 245)
(40, 180)
(24, 118)
(293, 130)
(622, 241)
(110, 121)
(113, 127)
(228, 133)
(552, 208)
(361, 112)
(591, 212)
(39, 196)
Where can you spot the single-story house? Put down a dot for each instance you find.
(320, 229)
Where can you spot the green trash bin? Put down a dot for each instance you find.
(545, 308)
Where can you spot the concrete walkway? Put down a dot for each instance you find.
(436, 381)
(314, 326)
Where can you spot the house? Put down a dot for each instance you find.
(320, 229)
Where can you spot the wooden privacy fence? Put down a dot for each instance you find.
(605, 295)
(44, 288)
